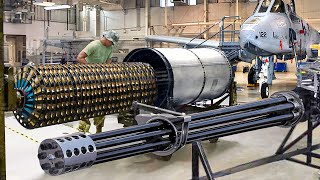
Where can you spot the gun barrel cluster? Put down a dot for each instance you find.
(55, 94)
(162, 133)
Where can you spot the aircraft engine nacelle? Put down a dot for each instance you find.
(188, 75)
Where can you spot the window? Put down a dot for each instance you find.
(278, 7)
(264, 6)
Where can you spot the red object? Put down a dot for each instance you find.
(302, 31)
(267, 60)
(281, 47)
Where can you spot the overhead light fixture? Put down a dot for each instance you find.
(45, 4)
(48, 8)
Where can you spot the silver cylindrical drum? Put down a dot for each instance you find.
(217, 72)
(190, 74)
(65, 154)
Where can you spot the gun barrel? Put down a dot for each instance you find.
(77, 151)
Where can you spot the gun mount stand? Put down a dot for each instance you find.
(308, 151)
(282, 153)
(198, 153)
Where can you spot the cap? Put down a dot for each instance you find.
(111, 36)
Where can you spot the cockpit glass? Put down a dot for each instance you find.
(278, 7)
(264, 6)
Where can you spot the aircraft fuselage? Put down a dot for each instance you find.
(274, 29)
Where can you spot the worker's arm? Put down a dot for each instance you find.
(82, 58)
(109, 59)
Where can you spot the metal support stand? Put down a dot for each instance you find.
(309, 154)
(198, 153)
(282, 153)
(270, 70)
(233, 94)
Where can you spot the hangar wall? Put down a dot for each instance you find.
(130, 22)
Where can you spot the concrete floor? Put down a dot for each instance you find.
(22, 163)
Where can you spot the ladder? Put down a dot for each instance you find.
(230, 45)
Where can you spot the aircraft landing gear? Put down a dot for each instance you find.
(263, 80)
(264, 90)
(252, 76)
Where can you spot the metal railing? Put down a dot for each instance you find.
(224, 29)
(215, 24)
(222, 32)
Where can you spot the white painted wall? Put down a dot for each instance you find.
(130, 25)
(125, 22)
(309, 10)
(35, 32)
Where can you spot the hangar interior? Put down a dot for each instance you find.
(192, 90)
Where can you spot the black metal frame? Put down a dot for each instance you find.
(231, 93)
(198, 153)
(282, 153)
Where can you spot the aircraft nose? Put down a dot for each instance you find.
(247, 36)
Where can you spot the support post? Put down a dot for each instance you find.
(78, 19)
(206, 18)
(166, 14)
(2, 125)
(237, 7)
(44, 48)
(85, 19)
(166, 20)
(67, 19)
(147, 17)
(98, 23)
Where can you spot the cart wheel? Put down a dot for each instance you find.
(264, 90)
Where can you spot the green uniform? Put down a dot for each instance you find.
(84, 125)
(96, 53)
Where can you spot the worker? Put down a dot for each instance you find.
(98, 51)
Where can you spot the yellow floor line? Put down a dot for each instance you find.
(20, 133)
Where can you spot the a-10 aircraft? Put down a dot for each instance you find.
(274, 29)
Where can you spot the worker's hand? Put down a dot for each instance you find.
(82, 58)
(109, 61)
